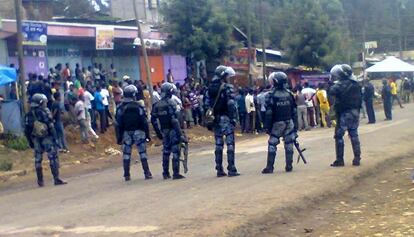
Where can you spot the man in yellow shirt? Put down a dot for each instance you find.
(323, 103)
(394, 93)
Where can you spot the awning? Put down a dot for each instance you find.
(270, 51)
(7, 75)
(391, 64)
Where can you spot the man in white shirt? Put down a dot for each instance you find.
(309, 94)
(105, 95)
(251, 111)
(80, 112)
(88, 99)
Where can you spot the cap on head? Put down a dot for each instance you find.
(125, 77)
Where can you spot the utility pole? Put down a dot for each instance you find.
(262, 26)
(22, 91)
(144, 52)
(249, 42)
(400, 43)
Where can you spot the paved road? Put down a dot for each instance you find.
(101, 204)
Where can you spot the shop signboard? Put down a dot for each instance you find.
(34, 33)
(239, 59)
(105, 38)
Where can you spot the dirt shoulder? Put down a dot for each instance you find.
(380, 204)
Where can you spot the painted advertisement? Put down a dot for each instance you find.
(105, 38)
(34, 33)
(239, 59)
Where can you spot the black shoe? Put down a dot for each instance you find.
(60, 182)
(233, 174)
(289, 168)
(356, 162)
(148, 175)
(127, 178)
(39, 174)
(166, 175)
(178, 176)
(338, 164)
(267, 171)
(221, 173)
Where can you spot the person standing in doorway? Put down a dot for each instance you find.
(170, 77)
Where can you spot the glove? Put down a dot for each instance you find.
(184, 139)
(159, 135)
(31, 144)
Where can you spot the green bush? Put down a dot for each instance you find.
(6, 165)
(19, 143)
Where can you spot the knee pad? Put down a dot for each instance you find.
(126, 156)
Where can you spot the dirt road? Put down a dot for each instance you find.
(101, 204)
(381, 204)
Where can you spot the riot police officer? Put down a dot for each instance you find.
(220, 99)
(132, 129)
(280, 121)
(164, 114)
(41, 134)
(348, 99)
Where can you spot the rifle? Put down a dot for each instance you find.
(300, 151)
(184, 149)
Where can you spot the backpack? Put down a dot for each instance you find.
(40, 129)
(209, 117)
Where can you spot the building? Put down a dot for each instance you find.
(78, 43)
(148, 10)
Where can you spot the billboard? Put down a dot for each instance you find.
(34, 33)
(239, 59)
(105, 38)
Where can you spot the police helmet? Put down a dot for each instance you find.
(338, 73)
(348, 71)
(224, 72)
(130, 91)
(167, 90)
(38, 99)
(279, 79)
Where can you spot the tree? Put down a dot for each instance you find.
(197, 30)
(307, 38)
(73, 8)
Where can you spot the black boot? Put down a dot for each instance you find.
(176, 169)
(231, 168)
(219, 164)
(166, 167)
(356, 148)
(39, 173)
(339, 147)
(289, 158)
(145, 167)
(127, 175)
(270, 163)
(54, 167)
